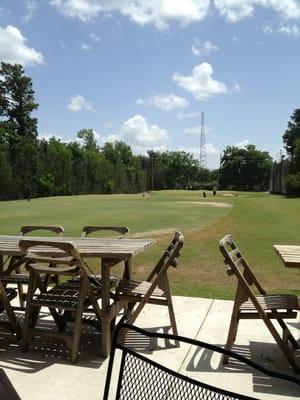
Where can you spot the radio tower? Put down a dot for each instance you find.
(202, 158)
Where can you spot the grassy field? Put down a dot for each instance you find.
(256, 220)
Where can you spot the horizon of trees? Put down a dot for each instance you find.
(31, 167)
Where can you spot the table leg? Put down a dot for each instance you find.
(105, 321)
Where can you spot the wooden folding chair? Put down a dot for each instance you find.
(13, 274)
(123, 230)
(87, 230)
(155, 290)
(252, 302)
(66, 301)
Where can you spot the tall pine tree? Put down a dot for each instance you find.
(16, 105)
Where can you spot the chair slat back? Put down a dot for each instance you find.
(41, 255)
(169, 257)
(238, 266)
(59, 230)
(87, 230)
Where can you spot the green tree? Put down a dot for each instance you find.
(17, 99)
(245, 168)
(181, 169)
(291, 135)
(88, 137)
(16, 105)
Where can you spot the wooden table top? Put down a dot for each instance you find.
(289, 254)
(87, 247)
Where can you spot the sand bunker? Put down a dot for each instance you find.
(207, 203)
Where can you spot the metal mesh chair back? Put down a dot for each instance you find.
(142, 378)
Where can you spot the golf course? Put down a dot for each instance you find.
(257, 221)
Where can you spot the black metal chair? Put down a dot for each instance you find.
(141, 378)
(7, 391)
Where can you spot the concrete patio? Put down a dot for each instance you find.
(45, 372)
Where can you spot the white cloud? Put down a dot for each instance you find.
(237, 88)
(157, 12)
(193, 131)
(267, 28)
(142, 136)
(48, 136)
(62, 44)
(161, 13)
(235, 10)
(211, 149)
(188, 115)
(197, 130)
(110, 138)
(242, 144)
(200, 83)
(165, 102)
(289, 30)
(205, 48)
(95, 37)
(4, 11)
(85, 46)
(79, 103)
(109, 124)
(31, 6)
(13, 48)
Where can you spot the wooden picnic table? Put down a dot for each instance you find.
(289, 254)
(109, 250)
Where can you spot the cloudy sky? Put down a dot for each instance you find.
(142, 71)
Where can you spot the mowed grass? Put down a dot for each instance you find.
(256, 220)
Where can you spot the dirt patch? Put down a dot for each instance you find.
(156, 232)
(207, 203)
(228, 194)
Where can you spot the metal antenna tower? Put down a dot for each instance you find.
(202, 158)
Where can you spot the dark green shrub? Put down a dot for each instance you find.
(292, 184)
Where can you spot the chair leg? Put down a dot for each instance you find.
(21, 295)
(284, 348)
(78, 319)
(59, 319)
(170, 306)
(287, 333)
(28, 317)
(233, 328)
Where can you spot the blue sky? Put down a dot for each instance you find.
(143, 71)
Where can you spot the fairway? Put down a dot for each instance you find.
(256, 220)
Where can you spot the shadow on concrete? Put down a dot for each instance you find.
(265, 354)
(46, 351)
(148, 345)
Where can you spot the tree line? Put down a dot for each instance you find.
(291, 140)
(33, 167)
